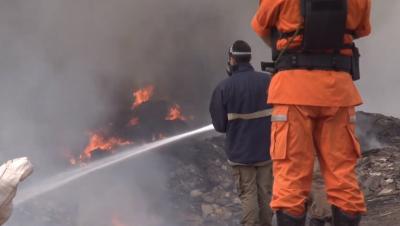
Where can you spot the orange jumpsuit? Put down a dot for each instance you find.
(314, 112)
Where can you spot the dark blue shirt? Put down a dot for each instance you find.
(247, 141)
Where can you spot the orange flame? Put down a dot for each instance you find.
(134, 121)
(72, 160)
(97, 141)
(175, 113)
(142, 95)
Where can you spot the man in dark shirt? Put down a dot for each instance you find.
(238, 108)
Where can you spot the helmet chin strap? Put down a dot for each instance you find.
(231, 68)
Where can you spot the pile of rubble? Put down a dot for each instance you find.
(203, 187)
(208, 195)
(204, 181)
(201, 190)
(379, 172)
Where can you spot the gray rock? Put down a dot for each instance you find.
(196, 193)
(207, 209)
(386, 191)
(208, 198)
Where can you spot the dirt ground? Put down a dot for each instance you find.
(383, 211)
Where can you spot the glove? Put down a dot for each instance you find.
(22, 166)
(5, 212)
(17, 170)
(11, 173)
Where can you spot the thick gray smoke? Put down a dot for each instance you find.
(67, 66)
(379, 85)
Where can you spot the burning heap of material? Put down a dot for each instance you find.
(97, 142)
(108, 140)
(175, 113)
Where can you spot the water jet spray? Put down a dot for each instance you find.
(72, 175)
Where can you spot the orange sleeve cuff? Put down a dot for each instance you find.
(363, 33)
(262, 32)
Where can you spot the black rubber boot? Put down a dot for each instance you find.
(340, 218)
(316, 222)
(284, 219)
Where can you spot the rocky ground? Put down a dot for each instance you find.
(201, 190)
(208, 196)
(379, 169)
(379, 172)
(203, 180)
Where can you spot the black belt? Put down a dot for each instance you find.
(329, 62)
(291, 33)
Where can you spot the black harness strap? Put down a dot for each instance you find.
(290, 34)
(330, 62)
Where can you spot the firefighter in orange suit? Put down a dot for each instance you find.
(314, 99)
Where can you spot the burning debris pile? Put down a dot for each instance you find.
(147, 120)
(199, 189)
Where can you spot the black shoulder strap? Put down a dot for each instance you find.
(303, 7)
(275, 36)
